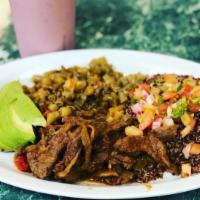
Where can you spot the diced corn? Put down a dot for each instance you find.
(89, 90)
(52, 116)
(80, 85)
(65, 111)
(46, 81)
(108, 79)
(115, 113)
(41, 93)
(68, 94)
(122, 97)
(69, 88)
(70, 84)
(53, 107)
(59, 79)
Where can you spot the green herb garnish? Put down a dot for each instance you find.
(156, 82)
(180, 87)
(181, 108)
(134, 101)
(159, 100)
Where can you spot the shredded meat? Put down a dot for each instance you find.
(77, 147)
(47, 151)
(42, 158)
(73, 147)
(126, 161)
(81, 148)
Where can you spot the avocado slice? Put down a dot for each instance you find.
(18, 115)
(4, 147)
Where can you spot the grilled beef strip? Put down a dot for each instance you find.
(42, 158)
(149, 144)
(72, 148)
(166, 132)
(47, 152)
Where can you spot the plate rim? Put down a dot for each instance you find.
(37, 56)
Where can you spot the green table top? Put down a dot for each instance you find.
(164, 26)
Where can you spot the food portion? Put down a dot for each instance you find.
(109, 128)
(18, 115)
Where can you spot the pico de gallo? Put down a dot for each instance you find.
(163, 100)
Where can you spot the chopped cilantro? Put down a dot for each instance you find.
(134, 101)
(159, 100)
(181, 108)
(156, 82)
(179, 88)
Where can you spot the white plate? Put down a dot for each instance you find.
(125, 61)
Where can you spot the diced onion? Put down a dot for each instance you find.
(157, 123)
(191, 149)
(150, 99)
(186, 131)
(169, 111)
(138, 107)
(145, 94)
(168, 121)
(189, 123)
(186, 150)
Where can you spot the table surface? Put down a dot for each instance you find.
(165, 26)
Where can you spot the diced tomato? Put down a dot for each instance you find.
(172, 100)
(163, 107)
(45, 113)
(145, 87)
(168, 95)
(146, 123)
(184, 94)
(187, 88)
(186, 91)
(146, 119)
(194, 107)
(21, 163)
(157, 117)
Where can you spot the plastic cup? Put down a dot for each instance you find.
(43, 25)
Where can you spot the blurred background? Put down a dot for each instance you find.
(165, 26)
